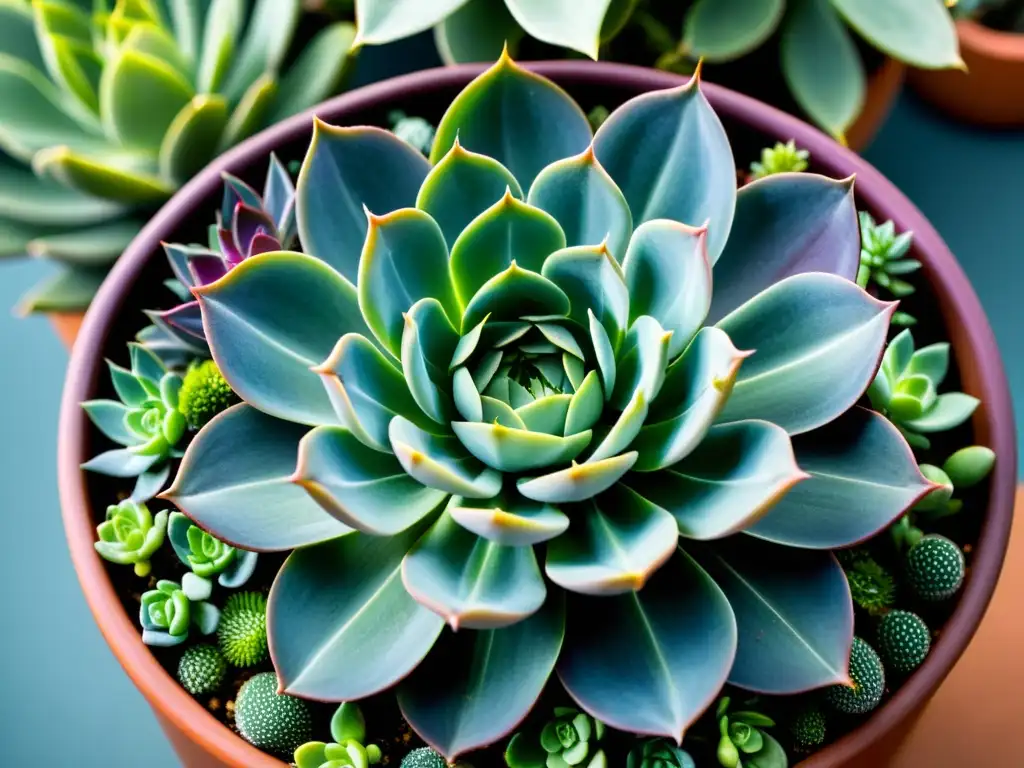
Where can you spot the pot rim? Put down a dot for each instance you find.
(987, 43)
(973, 343)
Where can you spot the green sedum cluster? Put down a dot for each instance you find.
(110, 105)
(501, 393)
(884, 261)
(782, 158)
(130, 535)
(348, 729)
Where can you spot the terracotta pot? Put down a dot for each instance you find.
(884, 87)
(991, 91)
(66, 325)
(114, 317)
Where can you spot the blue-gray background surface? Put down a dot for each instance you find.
(66, 701)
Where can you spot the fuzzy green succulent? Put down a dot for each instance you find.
(935, 568)
(275, 722)
(658, 753)
(883, 261)
(903, 641)
(242, 632)
(207, 556)
(145, 421)
(808, 728)
(906, 390)
(497, 393)
(130, 535)
(166, 615)
(348, 729)
(570, 738)
(204, 394)
(201, 669)
(872, 587)
(782, 158)
(867, 682)
(110, 105)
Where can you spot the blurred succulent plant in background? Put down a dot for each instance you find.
(514, 343)
(109, 106)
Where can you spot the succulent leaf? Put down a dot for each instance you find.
(478, 31)
(562, 22)
(722, 31)
(593, 282)
(381, 21)
(579, 482)
(441, 462)
(512, 520)
(920, 34)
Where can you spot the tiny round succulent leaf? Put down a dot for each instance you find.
(274, 722)
(868, 678)
(201, 669)
(935, 568)
(204, 394)
(808, 729)
(242, 632)
(903, 641)
(423, 757)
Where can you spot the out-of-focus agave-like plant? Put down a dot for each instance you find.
(207, 556)
(115, 103)
(498, 392)
(145, 421)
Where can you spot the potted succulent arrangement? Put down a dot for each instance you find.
(110, 106)
(556, 447)
(991, 90)
(838, 62)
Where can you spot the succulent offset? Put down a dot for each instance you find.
(207, 556)
(167, 614)
(131, 535)
(349, 748)
(111, 105)
(497, 392)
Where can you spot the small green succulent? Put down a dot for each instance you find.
(903, 641)
(782, 158)
(348, 729)
(274, 722)
(201, 669)
(242, 632)
(658, 753)
(872, 587)
(570, 738)
(935, 568)
(145, 421)
(906, 390)
(130, 535)
(204, 393)
(111, 105)
(414, 131)
(808, 728)
(207, 556)
(742, 739)
(166, 614)
(963, 469)
(867, 682)
(883, 260)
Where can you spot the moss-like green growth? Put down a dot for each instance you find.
(204, 394)
(903, 641)
(868, 677)
(276, 723)
(201, 669)
(424, 757)
(871, 586)
(808, 729)
(242, 633)
(782, 158)
(935, 568)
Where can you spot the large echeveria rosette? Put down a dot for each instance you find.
(488, 395)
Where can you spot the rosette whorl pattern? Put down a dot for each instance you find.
(497, 392)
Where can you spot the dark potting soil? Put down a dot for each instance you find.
(385, 726)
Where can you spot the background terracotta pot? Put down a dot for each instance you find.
(991, 92)
(115, 316)
(884, 87)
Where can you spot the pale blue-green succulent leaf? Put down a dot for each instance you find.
(793, 611)
(404, 259)
(382, 21)
(17, 35)
(669, 278)
(605, 354)
(511, 520)
(670, 156)
(578, 482)
(120, 462)
(467, 345)
(270, 28)
(594, 284)
(108, 416)
(518, 450)
(270, 321)
(475, 687)
(29, 199)
(625, 429)
(696, 387)
(510, 230)
(466, 397)
(546, 414)
(363, 488)
(920, 34)
(562, 338)
(461, 186)
(472, 582)
(441, 462)
(863, 476)
(316, 73)
(567, 23)
(641, 362)
(723, 30)
(223, 24)
(615, 543)
(192, 137)
(340, 623)
(515, 293)
(786, 224)
(818, 339)
(586, 405)
(506, 113)
(674, 673)
(585, 202)
(950, 410)
(478, 31)
(255, 505)
(367, 391)
(499, 412)
(346, 169)
(428, 343)
(736, 475)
